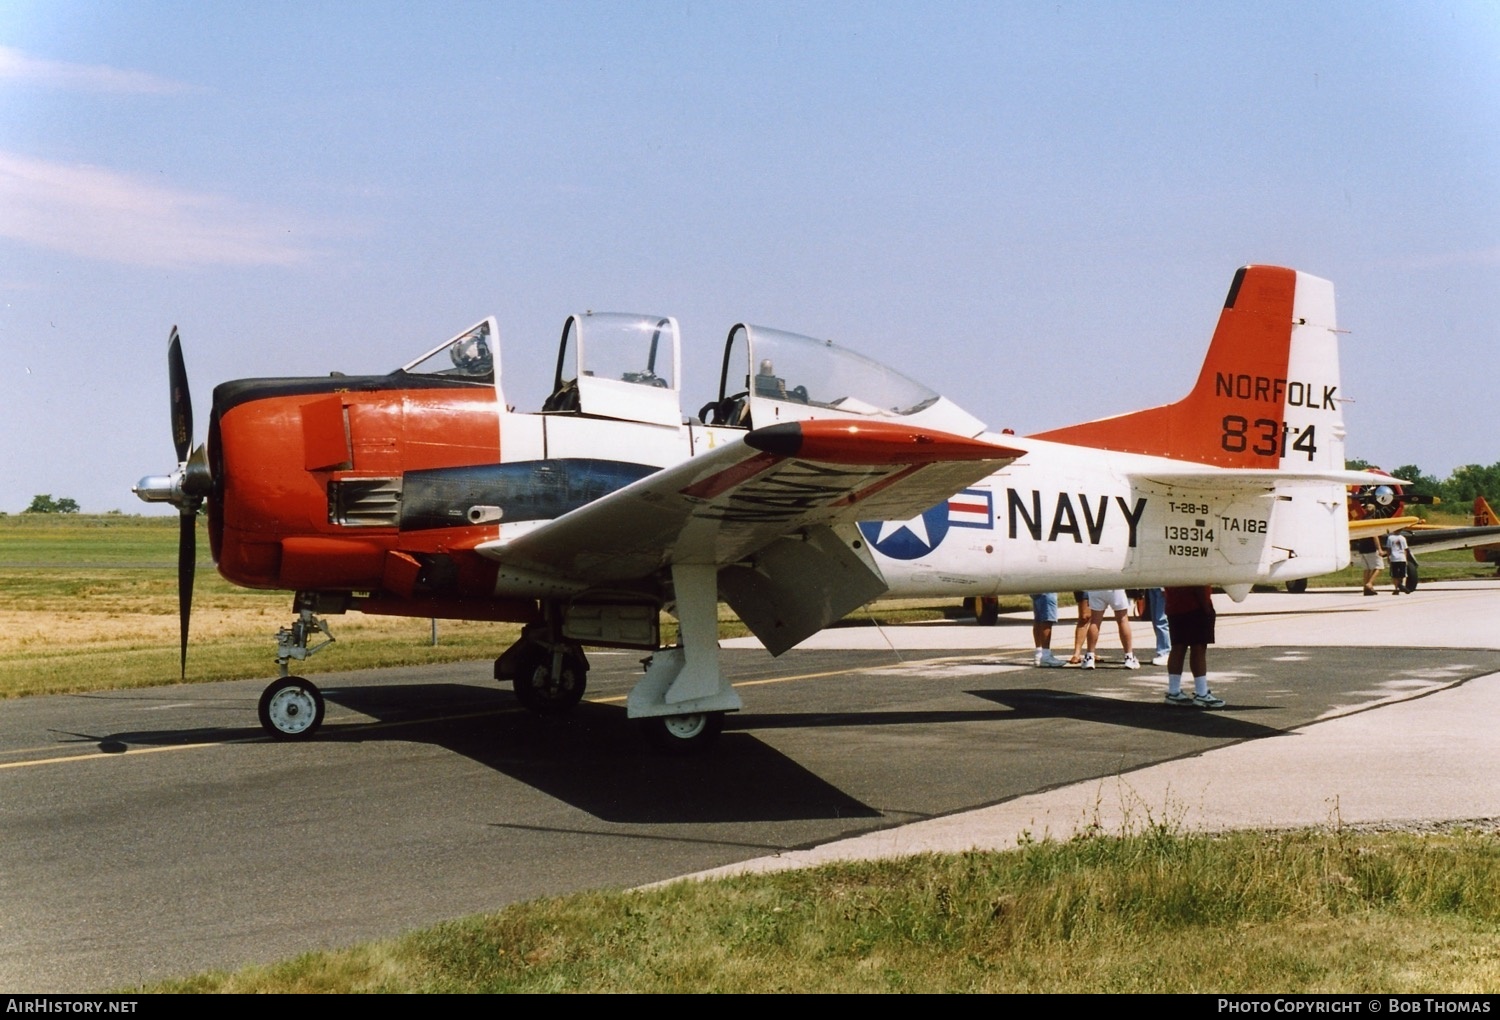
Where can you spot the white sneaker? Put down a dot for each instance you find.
(1160, 660)
(1131, 662)
(1088, 660)
(1208, 700)
(1047, 660)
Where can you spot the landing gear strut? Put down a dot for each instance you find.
(291, 708)
(680, 703)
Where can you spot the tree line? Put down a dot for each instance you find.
(1457, 491)
(43, 503)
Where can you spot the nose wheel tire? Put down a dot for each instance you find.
(291, 709)
(683, 734)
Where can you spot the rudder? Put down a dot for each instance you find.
(1267, 394)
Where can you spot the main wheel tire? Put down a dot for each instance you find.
(986, 610)
(1298, 586)
(538, 691)
(683, 734)
(291, 708)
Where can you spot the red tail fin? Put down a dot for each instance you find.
(1483, 515)
(1267, 393)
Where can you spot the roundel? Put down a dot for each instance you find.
(908, 540)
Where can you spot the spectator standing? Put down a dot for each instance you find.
(1114, 601)
(1191, 617)
(1043, 616)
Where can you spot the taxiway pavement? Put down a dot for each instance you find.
(1412, 755)
(157, 832)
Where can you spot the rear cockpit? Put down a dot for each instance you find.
(771, 376)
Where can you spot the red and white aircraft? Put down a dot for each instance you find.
(816, 481)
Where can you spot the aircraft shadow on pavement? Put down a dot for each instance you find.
(1042, 703)
(591, 758)
(1031, 703)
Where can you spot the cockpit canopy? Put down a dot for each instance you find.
(470, 355)
(770, 376)
(627, 367)
(614, 365)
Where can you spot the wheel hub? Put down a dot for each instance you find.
(291, 711)
(685, 727)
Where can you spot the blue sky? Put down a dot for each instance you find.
(1034, 208)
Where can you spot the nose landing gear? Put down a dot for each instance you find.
(291, 708)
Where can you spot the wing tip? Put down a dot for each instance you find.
(871, 442)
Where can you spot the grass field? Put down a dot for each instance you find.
(1156, 911)
(90, 603)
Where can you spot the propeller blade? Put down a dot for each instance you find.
(187, 563)
(197, 478)
(182, 400)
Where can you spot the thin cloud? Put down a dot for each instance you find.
(100, 214)
(18, 66)
(1480, 258)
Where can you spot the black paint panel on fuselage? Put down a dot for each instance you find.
(531, 490)
(229, 395)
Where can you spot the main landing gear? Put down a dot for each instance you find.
(682, 734)
(986, 609)
(291, 708)
(678, 705)
(548, 672)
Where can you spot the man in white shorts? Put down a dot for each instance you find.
(1116, 602)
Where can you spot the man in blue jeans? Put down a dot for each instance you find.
(1156, 612)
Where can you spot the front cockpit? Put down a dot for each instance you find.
(470, 356)
(622, 366)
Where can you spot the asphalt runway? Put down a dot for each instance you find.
(152, 833)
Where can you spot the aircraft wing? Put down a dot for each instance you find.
(1375, 527)
(721, 506)
(1435, 539)
(1426, 537)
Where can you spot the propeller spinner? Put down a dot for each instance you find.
(185, 488)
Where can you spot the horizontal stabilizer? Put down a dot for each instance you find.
(1197, 477)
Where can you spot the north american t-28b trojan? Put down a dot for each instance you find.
(814, 481)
